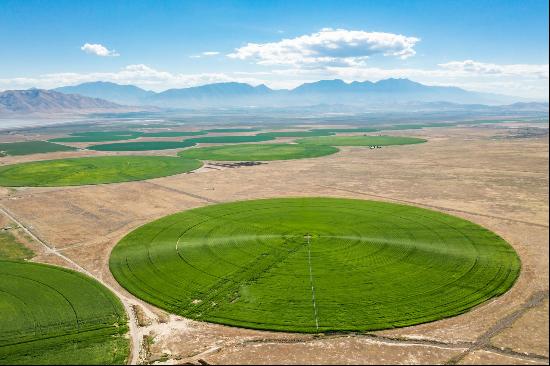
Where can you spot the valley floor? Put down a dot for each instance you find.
(477, 173)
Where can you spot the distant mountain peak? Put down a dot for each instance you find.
(49, 101)
(262, 87)
(122, 94)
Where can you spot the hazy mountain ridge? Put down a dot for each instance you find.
(322, 96)
(48, 101)
(233, 94)
(121, 94)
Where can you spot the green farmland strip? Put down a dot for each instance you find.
(142, 146)
(105, 133)
(93, 170)
(331, 131)
(173, 133)
(99, 136)
(361, 140)
(230, 139)
(314, 264)
(31, 147)
(52, 315)
(297, 133)
(258, 152)
(230, 130)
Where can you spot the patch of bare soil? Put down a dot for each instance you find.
(530, 323)
(482, 357)
(346, 350)
(500, 184)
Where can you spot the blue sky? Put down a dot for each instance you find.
(495, 46)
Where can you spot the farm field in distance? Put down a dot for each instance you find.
(92, 170)
(232, 139)
(297, 133)
(31, 147)
(98, 136)
(173, 133)
(240, 255)
(102, 136)
(361, 140)
(142, 146)
(257, 152)
(230, 130)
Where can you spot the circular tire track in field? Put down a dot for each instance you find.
(314, 264)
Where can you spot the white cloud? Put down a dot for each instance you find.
(205, 54)
(480, 68)
(98, 50)
(328, 47)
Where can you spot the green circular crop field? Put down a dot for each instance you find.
(258, 152)
(314, 264)
(52, 315)
(92, 170)
(361, 140)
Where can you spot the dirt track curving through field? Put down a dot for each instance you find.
(135, 348)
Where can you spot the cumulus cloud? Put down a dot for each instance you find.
(328, 47)
(481, 68)
(98, 50)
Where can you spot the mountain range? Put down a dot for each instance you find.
(48, 101)
(327, 95)
(231, 94)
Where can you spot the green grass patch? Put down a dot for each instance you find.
(142, 146)
(230, 139)
(93, 170)
(99, 136)
(53, 315)
(314, 264)
(11, 248)
(258, 152)
(31, 147)
(361, 140)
